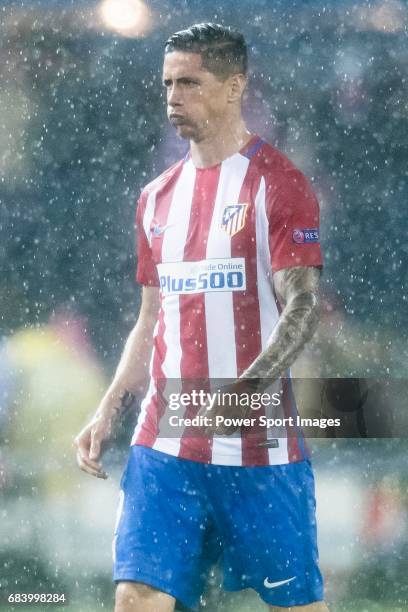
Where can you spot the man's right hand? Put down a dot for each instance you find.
(89, 442)
(131, 378)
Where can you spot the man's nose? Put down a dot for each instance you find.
(174, 96)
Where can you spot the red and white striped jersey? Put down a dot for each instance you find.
(211, 239)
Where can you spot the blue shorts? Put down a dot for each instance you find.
(177, 518)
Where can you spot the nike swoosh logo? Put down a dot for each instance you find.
(273, 585)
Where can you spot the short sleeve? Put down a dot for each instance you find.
(146, 272)
(294, 224)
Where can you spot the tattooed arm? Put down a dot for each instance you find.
(130, 379)
(297, 291)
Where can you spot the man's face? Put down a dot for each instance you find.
(197, 101)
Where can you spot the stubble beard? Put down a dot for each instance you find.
(188, 131)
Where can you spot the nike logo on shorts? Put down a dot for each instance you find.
(273, 585)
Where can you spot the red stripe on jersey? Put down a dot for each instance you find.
(193, 332)
(294, 451)
(157, 406)
(146, 272)
(302, 442)
(155, 409)
(247, 319)
(164, 198)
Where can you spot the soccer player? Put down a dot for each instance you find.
(229, 259)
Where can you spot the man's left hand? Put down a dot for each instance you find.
(228, 409)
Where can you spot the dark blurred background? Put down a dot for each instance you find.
(82, 129)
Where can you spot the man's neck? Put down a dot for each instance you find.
(224, 143)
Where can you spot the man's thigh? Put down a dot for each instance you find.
(164, 537)
(138, 597)
(266, 516)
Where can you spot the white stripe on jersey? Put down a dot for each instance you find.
(173, 250)
(221, 333)
(268, 310)
(149, 215)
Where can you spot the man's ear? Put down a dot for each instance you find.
(237, 84)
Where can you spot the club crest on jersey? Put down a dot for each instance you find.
(233, 218)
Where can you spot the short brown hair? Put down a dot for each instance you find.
(223, 50)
